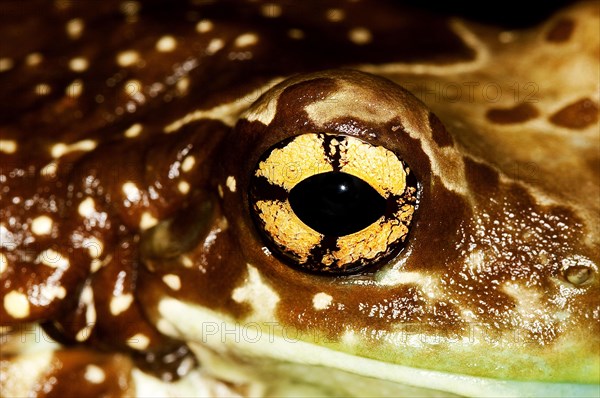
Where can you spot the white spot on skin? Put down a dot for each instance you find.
(74, 28)
(335, 14)
(147, 221)
(172, 281)
(349, 338)
(78, 64)
(182, 85)
(74, 89)
(120, 304)
(260, 296)
(188, 163)
(95, 265)
(428, 285)
(53, 259)
(166, 44)
(214, 46)
(230, 183)
(6, 64)
(8, 146)
(271, 10)
(3, 263)
(61, 149)
(133, 88)
(322, 301)
(94, 374)
(187, 262)
(87, 298)
(127, 58)
(360, 36)
(130, 8)
(49, 170)
(204, 26)
(50, 293)
(184, 187)
(94, 246)
(16, 305)
(506, 37)
(247, 39)
(165, 327)
(6, 238)
(296, 34)
(131, 191)
(133, 131)
(41, 225)
(476, 260)
(34, 59)
(87, 208)
(138, 342)
(227, 113)
(42, 89)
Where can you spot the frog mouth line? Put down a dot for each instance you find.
(236, 343)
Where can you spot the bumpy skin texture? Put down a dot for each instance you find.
(129, 134)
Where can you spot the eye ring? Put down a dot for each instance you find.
(361, 200)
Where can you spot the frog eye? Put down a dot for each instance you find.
(332, 203)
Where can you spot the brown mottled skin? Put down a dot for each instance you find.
(506, 227)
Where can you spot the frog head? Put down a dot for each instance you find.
(463, 274)
(196, 196)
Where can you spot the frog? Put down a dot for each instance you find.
(282, 199)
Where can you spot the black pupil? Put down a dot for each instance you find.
(336, 203)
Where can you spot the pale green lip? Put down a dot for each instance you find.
(216, 338)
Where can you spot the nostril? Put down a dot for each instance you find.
(172, 237)
(578, 270)
(578, 275)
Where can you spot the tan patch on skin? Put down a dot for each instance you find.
(286, 229)
(301, 158)
(342, 103)
(517, 114)
(561, 31)
(578, 115)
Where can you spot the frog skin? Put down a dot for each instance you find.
(132, 261)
